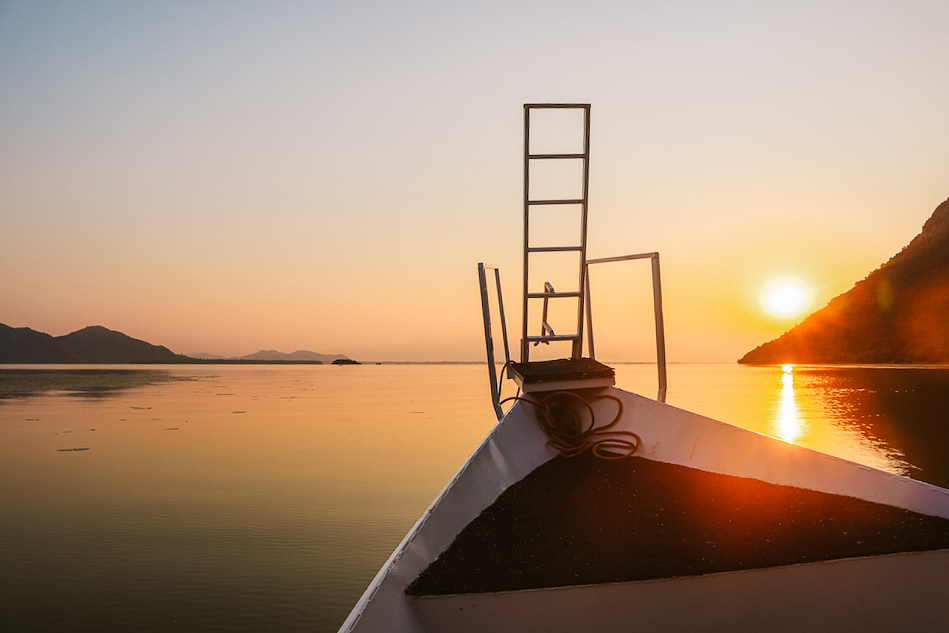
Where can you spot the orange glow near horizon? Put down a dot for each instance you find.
(168, 175)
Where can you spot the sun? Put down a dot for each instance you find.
(786, 297)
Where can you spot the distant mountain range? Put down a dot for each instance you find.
(274, 355)
(898, 314)
(96, 344)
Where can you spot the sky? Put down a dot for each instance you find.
(229, 176)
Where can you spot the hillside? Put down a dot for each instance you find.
(898, 314)
(97, 344)
(23, 345)
(94, 344)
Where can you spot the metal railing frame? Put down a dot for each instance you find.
(657, 310)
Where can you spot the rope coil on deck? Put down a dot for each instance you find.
(567, 433)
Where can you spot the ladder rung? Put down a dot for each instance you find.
(552, 295)
(580, 201)
(552, 249)
(547, 106)
(532, 156)
(553, 337)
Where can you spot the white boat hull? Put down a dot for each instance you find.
(871, 593)
(896, 592)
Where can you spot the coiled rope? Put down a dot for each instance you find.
(567, 433)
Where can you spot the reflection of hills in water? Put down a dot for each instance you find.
(906, 409)
(83, 382)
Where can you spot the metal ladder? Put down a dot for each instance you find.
(547, 334)
(590, 368)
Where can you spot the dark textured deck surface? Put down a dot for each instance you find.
(584, 520)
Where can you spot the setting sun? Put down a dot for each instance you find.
(786, 297)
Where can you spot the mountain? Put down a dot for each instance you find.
(300, 354)
(94, 344)
(23, 345)
(97, 344)
(898, 314)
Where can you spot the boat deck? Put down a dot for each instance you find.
(583, 520)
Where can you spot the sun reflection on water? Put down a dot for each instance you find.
(789, 420)
(823, 409)
(892, 418)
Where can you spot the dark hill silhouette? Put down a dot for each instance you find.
(23, 345)
(898, 314)
(300, 355)
(94, 344)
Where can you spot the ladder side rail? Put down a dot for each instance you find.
(578, 344)
(525, 345)
(657, 313)
(488, 341)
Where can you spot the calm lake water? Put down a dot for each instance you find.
(250, 498)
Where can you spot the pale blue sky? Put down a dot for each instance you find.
(226, 176)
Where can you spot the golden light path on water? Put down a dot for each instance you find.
(807, 406)
(789, 422)
(813, 415)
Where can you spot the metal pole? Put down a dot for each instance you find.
(507, 350)
(488, 342)
(660, 330)
(586, 277)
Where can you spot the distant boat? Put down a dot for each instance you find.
(345, 361)
(711, 527)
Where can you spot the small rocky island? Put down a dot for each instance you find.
(898, 314)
